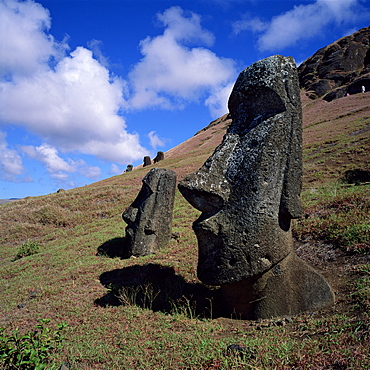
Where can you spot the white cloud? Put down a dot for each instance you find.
(91, 172)
(182, 28)
(115, 170)
(58, 167)
(95, 47)
(248, 23)
(49, 156)
(10, 161)
(155, 140)
(73, 103)
(61, 177)
(171, 72)
(217, 102)
(302, 22)
(25, 45)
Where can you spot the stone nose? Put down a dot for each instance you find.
(208, 189)
(203, 201)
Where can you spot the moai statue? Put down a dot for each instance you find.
(129, 168)
(147, 161)
(149, 218)
(159, 157)
(248, 192)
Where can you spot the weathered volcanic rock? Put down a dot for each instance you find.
(290, 287)
(339, 68)
(149, 218)
(248, 192)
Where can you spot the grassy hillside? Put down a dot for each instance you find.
(152, 312)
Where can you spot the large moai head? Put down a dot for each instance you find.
(149, 217)
(248, 190)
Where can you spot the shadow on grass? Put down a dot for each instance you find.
(159, 288)
(112, 248)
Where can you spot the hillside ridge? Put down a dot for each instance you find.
(338, 69)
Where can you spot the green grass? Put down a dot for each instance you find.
(361, 291)
(340, 144)
(338, 215)
(168, 320)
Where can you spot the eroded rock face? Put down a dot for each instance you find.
(248, 192)
(149, 218)
(338, 69)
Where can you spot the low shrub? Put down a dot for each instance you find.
(27, 249)
(31, 350)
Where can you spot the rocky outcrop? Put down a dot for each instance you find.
(248, 193)
(338, 69)
(149, 218)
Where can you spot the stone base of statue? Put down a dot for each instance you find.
(248, 192)
(290, 287)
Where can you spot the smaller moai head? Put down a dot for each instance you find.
(147, 161)
(149, 217)
(159, 157)
(129, 168)
(248, 190)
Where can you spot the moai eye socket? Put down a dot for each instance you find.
(255, 104)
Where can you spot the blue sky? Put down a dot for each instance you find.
(88, 87)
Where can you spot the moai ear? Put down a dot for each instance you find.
(290, 204)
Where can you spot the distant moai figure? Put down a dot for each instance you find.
(129, 168)
(159, 157)
(149, 218)
(357, 176)
(147, 161)
(248, 192)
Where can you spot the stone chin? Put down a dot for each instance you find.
(229, 252)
